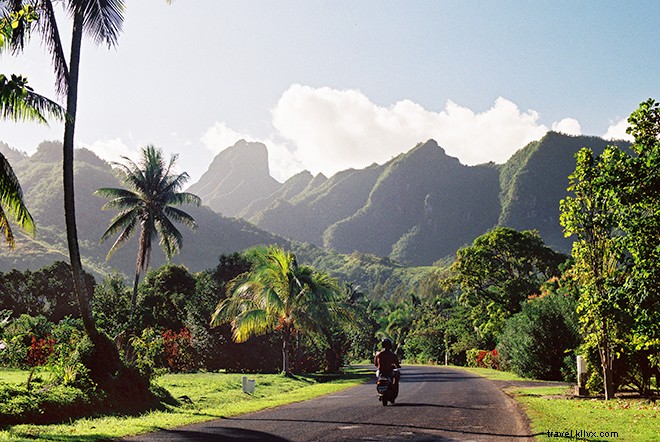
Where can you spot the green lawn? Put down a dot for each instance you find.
(202, 396)
(554, 409)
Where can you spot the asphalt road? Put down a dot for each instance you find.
(434, 404)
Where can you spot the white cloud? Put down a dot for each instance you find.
(282, 163)
(568, 126)
(617, 131)
(112, 150)
(219, 137)
(336, 129)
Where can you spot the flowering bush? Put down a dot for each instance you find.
(483, 358)
(180, 353)
(40, 350)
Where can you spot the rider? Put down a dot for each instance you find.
(386, 361)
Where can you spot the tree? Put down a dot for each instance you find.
(18, 102)
(150, 205)
(614, 215)
(277, 295)
(102, 20)
(499, 271)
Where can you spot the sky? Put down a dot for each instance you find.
(330, 85)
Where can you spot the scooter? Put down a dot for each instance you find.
(387, 389)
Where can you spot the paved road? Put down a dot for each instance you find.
(434, 404)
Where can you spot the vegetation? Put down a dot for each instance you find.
(614, 215)
(523, 299)
(194, 398)
(554, 408)
(149, 204)
(278, 294)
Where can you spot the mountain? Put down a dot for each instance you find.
(227, 187)
(535, 179)
(423, 205)
(306, 216)
(41, 181)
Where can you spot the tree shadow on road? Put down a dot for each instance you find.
(384, 424)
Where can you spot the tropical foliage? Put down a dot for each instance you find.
(279, 295)
(614, 216)
(150, 204)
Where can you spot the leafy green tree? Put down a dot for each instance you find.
(279, 295)
(499, 271)
(614, 214)
(539, 341)
(149, 204)
(111, 304)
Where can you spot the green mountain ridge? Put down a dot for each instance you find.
(41, 181)
(366, 226)
(423, 205)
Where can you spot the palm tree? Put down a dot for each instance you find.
(102, 20)
(277, 295)
(149, 204)
(18, 102)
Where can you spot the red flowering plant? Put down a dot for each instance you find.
(40, 350)
(180, 353)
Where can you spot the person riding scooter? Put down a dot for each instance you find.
(386, 361)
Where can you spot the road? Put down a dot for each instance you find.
(434, 404)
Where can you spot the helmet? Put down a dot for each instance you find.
(386, 343)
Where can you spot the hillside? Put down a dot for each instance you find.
(40, 177)
(423, 205)
(227, 188)
(535, 179)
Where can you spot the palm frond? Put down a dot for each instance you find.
(250, 323)
(180, 216)
(18, 102)
(171, 239)
(47, 26)
(103, 19)
(11, 200)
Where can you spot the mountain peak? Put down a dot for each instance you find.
(237, 176)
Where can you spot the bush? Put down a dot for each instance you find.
(537, 342)
(179, 351)
(483, 358)
(22, 339)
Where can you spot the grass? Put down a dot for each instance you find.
(554, 409)
(202, 396)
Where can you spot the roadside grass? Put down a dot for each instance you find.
(201, 397)
(554, 409)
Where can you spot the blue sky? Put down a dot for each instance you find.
(331, 85)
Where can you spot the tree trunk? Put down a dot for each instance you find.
(134, 299)
(285, 352)
(104, 363)
(68, 180)
(607, 361)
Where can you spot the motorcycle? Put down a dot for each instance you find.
(387, 389)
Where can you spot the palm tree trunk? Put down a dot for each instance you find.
(68, 180)
(134, 298)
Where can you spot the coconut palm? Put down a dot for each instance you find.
(277, 295)
(149, 204)
(102, 21)
(18, 102)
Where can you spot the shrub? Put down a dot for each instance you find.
(483, 358)
(179, 351)
(40, 350)
(17, 337)
(535, 343)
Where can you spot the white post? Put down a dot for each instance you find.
(581, 389)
